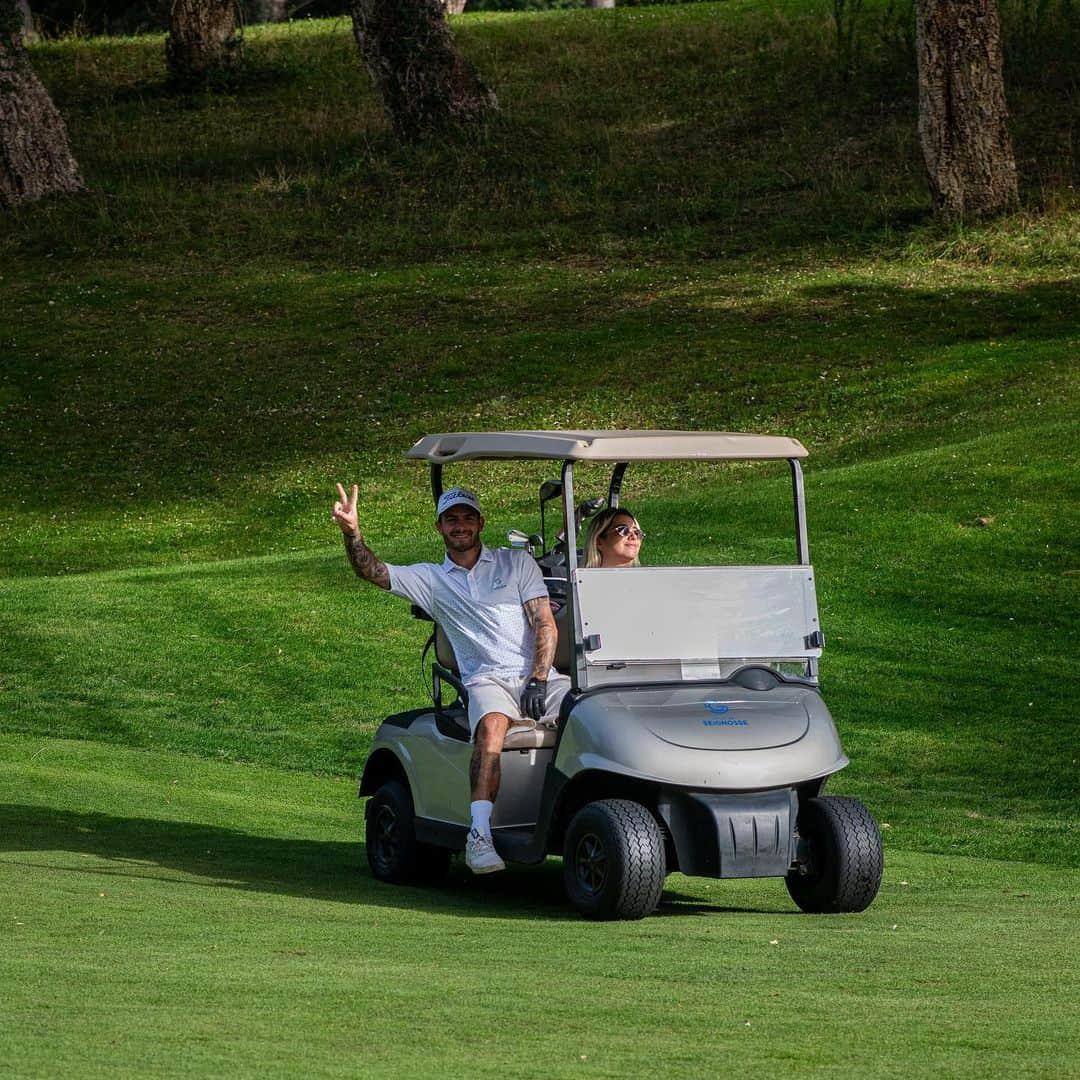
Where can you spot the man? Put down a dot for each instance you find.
(493, 606)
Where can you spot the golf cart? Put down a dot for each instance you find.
(694, 738)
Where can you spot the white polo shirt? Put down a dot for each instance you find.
(480, 610)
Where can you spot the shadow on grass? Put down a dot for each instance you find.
(315, 869)
(569, 345)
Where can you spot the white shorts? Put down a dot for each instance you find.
(489, 694)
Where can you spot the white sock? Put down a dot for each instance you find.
(481, 816)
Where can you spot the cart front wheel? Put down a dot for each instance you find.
(613, 860)
(843, 861)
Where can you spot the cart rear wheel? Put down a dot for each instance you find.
(394, 854)
(842, 871)
(613, 860)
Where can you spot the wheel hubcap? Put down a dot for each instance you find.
(590, 863)
(387, 838)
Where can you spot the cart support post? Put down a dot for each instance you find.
(570, 533)
(616, 484)
(802, 543)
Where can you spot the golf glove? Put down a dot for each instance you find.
(534, 699)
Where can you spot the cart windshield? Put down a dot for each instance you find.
(723, 580)
(695, 622)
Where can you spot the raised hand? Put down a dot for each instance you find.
(364, 561)
(345, 511)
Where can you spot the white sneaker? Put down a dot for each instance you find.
(480, 854)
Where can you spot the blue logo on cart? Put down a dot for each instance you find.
(718, 708)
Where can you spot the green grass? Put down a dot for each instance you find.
(183, 388)
(947, 640)
(193, 354)
(167, 916)
(682, 217)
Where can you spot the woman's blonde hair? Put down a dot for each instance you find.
(600, 525)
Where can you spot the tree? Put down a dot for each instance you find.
(204, 39)
(269, 11)
(35, 158)
(425, 85)
(962, 114)
(29, 30)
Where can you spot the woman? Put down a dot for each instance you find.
(614, 539)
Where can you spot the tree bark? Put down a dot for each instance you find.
(601, 3)
(453, 7)
(268, 11)
(426, 87)
(204, 39)
(30, 33)
(962, 114)
(35, 158)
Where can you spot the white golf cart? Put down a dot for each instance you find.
(694, 738)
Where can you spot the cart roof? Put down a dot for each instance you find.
(605, 446)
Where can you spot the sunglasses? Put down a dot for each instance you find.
(628, 532)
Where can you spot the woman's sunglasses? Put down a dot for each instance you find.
(628, 532)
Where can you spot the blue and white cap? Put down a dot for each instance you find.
(457, 497)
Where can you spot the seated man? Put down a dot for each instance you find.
(493, 606)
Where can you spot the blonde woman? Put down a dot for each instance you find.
(613, 539)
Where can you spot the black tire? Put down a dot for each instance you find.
(613, 860)
(394, 854)
(844, 861)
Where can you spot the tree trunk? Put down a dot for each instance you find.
(425, 86)
(962, 114)
(204, 39)
(268, 11)
(601, 3)
(35, 159)
(30, 34)
(453, 7)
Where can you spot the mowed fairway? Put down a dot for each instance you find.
(689, 217)
(169, 916)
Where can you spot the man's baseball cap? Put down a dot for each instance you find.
(457, 497)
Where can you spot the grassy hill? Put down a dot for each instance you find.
(689, 217)
(683, 217)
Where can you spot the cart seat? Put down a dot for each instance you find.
(454, 723)
(522, 737)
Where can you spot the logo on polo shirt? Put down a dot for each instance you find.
(498, 583)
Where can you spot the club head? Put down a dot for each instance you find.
(550, 489)
(518, 539)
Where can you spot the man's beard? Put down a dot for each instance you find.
(463, 543)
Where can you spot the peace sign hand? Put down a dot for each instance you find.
(345, 511)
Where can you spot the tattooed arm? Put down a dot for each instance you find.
(547, 635)
(364, 561)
